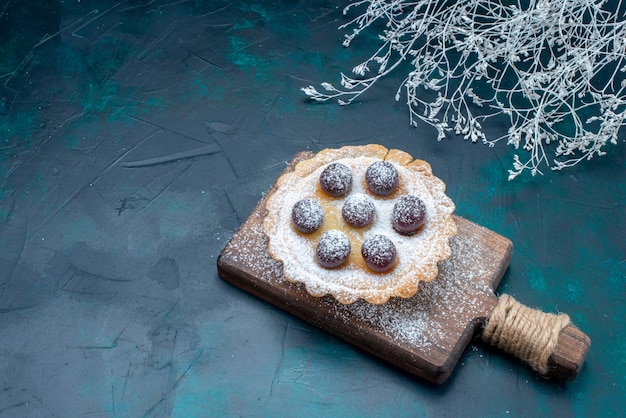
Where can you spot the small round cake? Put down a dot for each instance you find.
(359, 222)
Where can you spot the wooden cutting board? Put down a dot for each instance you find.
(424, 335)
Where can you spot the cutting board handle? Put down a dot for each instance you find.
(549, 343)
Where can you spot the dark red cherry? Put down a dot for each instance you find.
(336, 179)
(307, 215)
(358, 210)
(382, 178)
(379, 253)
(409, 214)
(332, 249)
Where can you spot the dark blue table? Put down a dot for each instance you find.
(110, 302)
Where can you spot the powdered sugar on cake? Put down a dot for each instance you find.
(417, 254)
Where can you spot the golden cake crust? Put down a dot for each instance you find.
(418, 254)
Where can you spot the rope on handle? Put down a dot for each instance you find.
(529, 334)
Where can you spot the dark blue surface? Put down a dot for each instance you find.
(110, 303)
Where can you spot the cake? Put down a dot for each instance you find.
(359, 222)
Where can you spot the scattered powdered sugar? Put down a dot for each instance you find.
(249, 250)
(441, 308)
(430, 320)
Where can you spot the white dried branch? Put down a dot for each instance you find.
(555, 68)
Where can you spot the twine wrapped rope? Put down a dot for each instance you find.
(529, 334)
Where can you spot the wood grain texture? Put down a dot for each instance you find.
(570, 353)
(424, 335)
